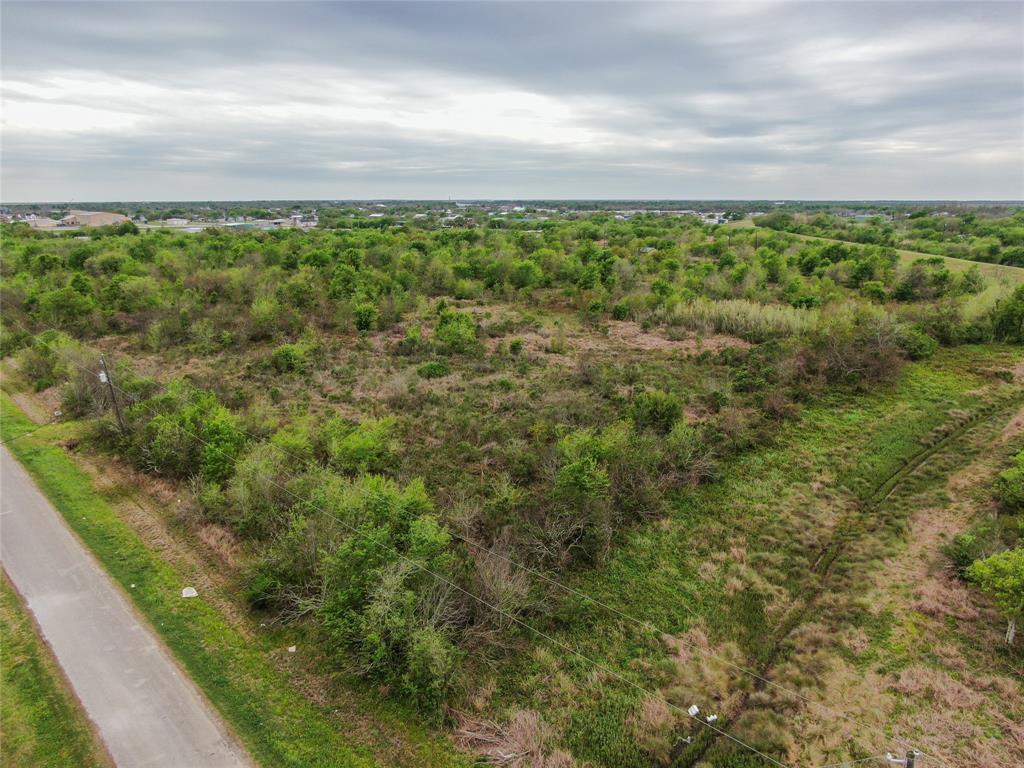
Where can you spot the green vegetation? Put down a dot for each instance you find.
(276, 724)
(413, 434)
(43, 725)
(961, 235)
(1002, 576)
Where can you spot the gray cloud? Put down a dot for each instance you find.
(275, 100)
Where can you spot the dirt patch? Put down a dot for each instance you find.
(1015, 426)
(622, 336)
(630, 335)
(38, 406)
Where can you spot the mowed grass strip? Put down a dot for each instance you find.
(277, 725)
(42, 724)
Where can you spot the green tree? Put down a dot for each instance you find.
(1010, 485)
(456, 331)
(366, 317)
(1001, 576)
(1008, 318)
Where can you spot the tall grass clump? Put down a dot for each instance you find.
(739, 317)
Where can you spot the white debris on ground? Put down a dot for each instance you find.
(292, 649)
(189, 592)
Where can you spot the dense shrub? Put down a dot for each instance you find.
(434, 369)
(456, 331)
(289, 358)
(365, 556)
(366, 317)
(1010, 485)
(356, 448)
(654, 409)
(190, 433)
(917, 344)
(1008, 317)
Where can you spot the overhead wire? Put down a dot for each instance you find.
(420, 566)
(578, 593)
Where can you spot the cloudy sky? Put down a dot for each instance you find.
(166, 101)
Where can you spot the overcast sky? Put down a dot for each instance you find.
(169, 101)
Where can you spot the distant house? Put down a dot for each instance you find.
(92, 219)
(175, 222)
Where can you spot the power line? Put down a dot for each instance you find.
(27, 432)
(642, 623)
(571, 590)
(416, 564)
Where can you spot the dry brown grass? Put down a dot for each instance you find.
(220, 542)
(940, 597)
(653, 725)
(526, 741)
(937, 685)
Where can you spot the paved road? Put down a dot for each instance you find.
(144, 708)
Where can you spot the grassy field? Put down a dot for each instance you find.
(276, 723)
(394, 449)
(1011, 275)
(732, 571)
(42, 724)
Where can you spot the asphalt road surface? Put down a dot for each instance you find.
(144, 708)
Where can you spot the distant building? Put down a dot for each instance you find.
(175, 222)
(41, 222)
(92, 219)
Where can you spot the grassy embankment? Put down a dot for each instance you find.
(277, 724)
(42, 724)
(736, 559)
(1011, 275)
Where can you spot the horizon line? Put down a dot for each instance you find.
(773, 200)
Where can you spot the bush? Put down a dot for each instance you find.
(290, 358)
(371, 579)
(412, 342)
(83, 394)
(874, 290)
(191, 434)
(431, 663)
(266, 314)
(916, 343)
(358, 448)
(1008, 317)
(456, 331)
(65, 307)
(1001, 576)
(257, 502)
(855, 348)
(688, 454)
(657, 410)
(366, 316)
(435, 369)
(1010, 486)
(970, 546)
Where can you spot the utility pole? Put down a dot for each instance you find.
(907, 762)
(105, 378)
